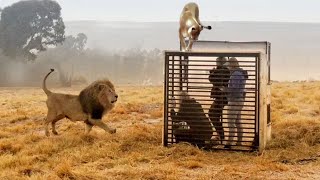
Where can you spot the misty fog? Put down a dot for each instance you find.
(131, 52)
(294, 46)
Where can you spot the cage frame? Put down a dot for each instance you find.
(263, 80)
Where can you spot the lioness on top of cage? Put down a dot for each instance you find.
(190, 25)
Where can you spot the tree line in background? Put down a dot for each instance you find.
(32, 40)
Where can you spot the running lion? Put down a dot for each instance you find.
(89, 106)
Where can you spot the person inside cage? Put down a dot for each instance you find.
(190, 124)
(236, 97)
(219, 77)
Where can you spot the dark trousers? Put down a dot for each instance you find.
(215, 115)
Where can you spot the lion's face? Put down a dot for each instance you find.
(107, 95)
(194, 32)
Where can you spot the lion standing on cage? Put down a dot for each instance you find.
(190, 25)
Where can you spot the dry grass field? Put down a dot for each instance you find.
(135, 151)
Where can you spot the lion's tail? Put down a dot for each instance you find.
(44, 87)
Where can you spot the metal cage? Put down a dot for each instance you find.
(193, 114)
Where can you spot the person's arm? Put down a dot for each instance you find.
(210, 77)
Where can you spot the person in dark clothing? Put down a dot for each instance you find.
(219, 77)
(190, 124)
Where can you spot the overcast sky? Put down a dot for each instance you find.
(169, 10)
